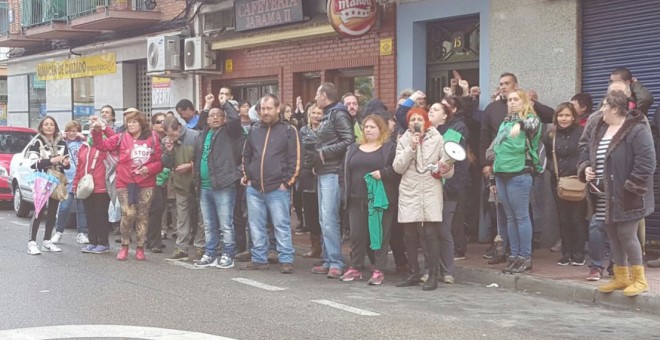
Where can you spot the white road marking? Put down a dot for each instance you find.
(346, 308)
(258, 284)
(24, 224)
(103, 331)
(184, 264)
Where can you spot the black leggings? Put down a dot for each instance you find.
(429, 236)
(51, 213)
(98, 223)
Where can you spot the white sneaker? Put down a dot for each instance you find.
(33, 249)
(82, 238)
(49, 246)
(57, 237)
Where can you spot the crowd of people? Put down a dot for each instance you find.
(229, 177)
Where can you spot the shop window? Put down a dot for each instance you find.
(254, 92)
(83, 100)
(36, 100)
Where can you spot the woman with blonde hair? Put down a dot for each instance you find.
(307, 180)
(516, 160)
(369, 185)
(139, 162)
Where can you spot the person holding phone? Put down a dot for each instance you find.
(418, 158)
(618, 162)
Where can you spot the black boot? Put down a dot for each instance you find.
(525, 265)
(412, 279)
(511, 262)
(432, 282)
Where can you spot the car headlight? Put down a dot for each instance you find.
(3, 171)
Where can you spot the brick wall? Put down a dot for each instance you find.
(171, 8)
(15, 6)
(286, 60)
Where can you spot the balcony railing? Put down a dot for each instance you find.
(4, 18)
(37, 12)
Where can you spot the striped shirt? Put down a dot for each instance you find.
(599, 212)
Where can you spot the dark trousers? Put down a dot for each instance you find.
(98, 224)
(158, 203)
(358, 214)
(51, 216)
(429, 235)
(298, 205)
(310, 202)
(397, 244)
(572, 226)
(458, 229)
(240, 220)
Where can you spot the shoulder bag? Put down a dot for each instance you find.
(86, 183)
(569, 188)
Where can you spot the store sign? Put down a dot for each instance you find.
(160, 91)
(253, 14)
(87, 66)
(352, 18)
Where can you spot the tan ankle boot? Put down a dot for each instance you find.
(639, 284)
(620, 281)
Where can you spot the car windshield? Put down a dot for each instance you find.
(13, 141)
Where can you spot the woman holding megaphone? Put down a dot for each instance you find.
(452, 239)
(418, 159)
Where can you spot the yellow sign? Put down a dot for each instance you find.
(88, 66)
(386, 46)
(229, 65)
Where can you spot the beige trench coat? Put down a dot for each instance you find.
(420, 195)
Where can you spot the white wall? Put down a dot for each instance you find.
(17, 92)
(59, 100)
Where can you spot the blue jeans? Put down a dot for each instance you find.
(218, 213)
(513, 193)
(277, 205)
(329, 200)
(65, 210)
(597, 243)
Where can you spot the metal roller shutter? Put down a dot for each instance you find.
(623, 33)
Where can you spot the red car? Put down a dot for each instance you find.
(12, 140)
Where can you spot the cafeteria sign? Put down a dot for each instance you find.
(253, 14)
(88, 66)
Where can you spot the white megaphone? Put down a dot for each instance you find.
(453, 152)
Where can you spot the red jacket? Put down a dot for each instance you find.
(98, 173)
(145, 150)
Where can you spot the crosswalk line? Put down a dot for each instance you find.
(346, 308)
(258, 284)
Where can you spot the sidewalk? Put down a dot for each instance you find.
(565, 283)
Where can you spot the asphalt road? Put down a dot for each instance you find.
(178, 301)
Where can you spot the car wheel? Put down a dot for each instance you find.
(21, 208)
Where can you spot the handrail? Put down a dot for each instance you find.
(4, 18)
(37, 12)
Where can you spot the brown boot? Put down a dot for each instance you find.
(620, 281)
(639, 284)
(315, 249)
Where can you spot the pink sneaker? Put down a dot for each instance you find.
(123, 254)
(376, 278)
(351, 274)
(139, 254)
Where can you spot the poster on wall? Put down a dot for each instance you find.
(160, 92)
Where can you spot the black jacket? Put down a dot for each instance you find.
(40, 153)
(629, 166)
(271, 156)
(389, 177)
(494, 116)
(455, 187)
(307, 179)
(335, 134)
(566, 144)
(225, 156)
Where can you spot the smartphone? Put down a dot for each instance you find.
(417, 128)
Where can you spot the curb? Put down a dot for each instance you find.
(556, 289)
(560, 290)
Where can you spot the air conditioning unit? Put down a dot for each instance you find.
(198, 55)
(163, 54)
